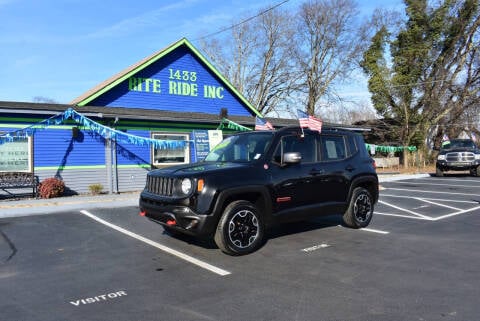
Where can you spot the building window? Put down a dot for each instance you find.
(163, 157)
(16, 156)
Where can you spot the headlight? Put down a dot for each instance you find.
(477, 156)
(186, 186)
(441, 157)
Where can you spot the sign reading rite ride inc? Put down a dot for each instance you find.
(180, 83)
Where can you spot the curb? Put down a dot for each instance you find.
(28, 207)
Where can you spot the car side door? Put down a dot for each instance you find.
(337, 166)
(294, 184)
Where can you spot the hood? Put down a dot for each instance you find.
(459, 150)
(197, 168)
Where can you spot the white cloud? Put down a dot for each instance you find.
(140, 22)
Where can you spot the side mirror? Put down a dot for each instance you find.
(292, 158)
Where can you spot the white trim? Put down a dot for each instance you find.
(186, 150)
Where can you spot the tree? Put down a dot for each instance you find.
(256, 59)
(433, 77)
(329, 44)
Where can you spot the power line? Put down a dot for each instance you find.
(243, 21)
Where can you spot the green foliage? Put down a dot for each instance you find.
(432, 75)
(51, 187)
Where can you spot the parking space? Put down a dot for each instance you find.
(430, 198)
(414, 262)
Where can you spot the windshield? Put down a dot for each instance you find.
(463, 143)
(241, 148)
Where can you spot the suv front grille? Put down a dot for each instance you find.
(160, 185)
(460, 157)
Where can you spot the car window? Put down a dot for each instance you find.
(240, 148)
(333, 147)
(352, 147)
(306, 146)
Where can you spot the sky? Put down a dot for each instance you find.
(59, 49)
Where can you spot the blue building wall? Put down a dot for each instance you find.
(129, 154)
(178, 82)
(86, 149)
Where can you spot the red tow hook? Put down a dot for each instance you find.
(142, 213)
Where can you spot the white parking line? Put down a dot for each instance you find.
(374, 231)
(455, 214)
(431, 184)
(405, 210)
(451, 179)
(159, 246)
(432, 192)
(405, 216)
(438, 204)
(433, 199)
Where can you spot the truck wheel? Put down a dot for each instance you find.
(475, 171)
(360, 210)
(438, 172)
(240, 229)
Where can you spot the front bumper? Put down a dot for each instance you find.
(457, 166)
(175, 216)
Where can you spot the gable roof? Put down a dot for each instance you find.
(110, 83)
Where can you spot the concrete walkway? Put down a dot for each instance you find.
(23, 207)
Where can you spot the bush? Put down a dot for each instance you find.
(95, 189)
(51, 187)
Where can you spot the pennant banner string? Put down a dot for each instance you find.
(100, 129)
(226, 123)
(390, 149)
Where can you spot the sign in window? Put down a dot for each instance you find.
(15, 156)
(171, 156)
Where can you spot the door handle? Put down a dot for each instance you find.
(315, 172)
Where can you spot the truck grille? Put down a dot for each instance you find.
(160, 185)
(460, 157)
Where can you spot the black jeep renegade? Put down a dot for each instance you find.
(252, 180)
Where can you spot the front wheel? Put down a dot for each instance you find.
(360, 210)
(240, 229)
(438, 172)
(475, 171)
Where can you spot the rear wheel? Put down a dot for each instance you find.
(360, 210)
(240, 229)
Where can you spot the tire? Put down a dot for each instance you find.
(360, 210)
(438, 172)
(475, 171)
(240, 229)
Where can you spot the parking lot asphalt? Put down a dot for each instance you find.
(94, 258)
